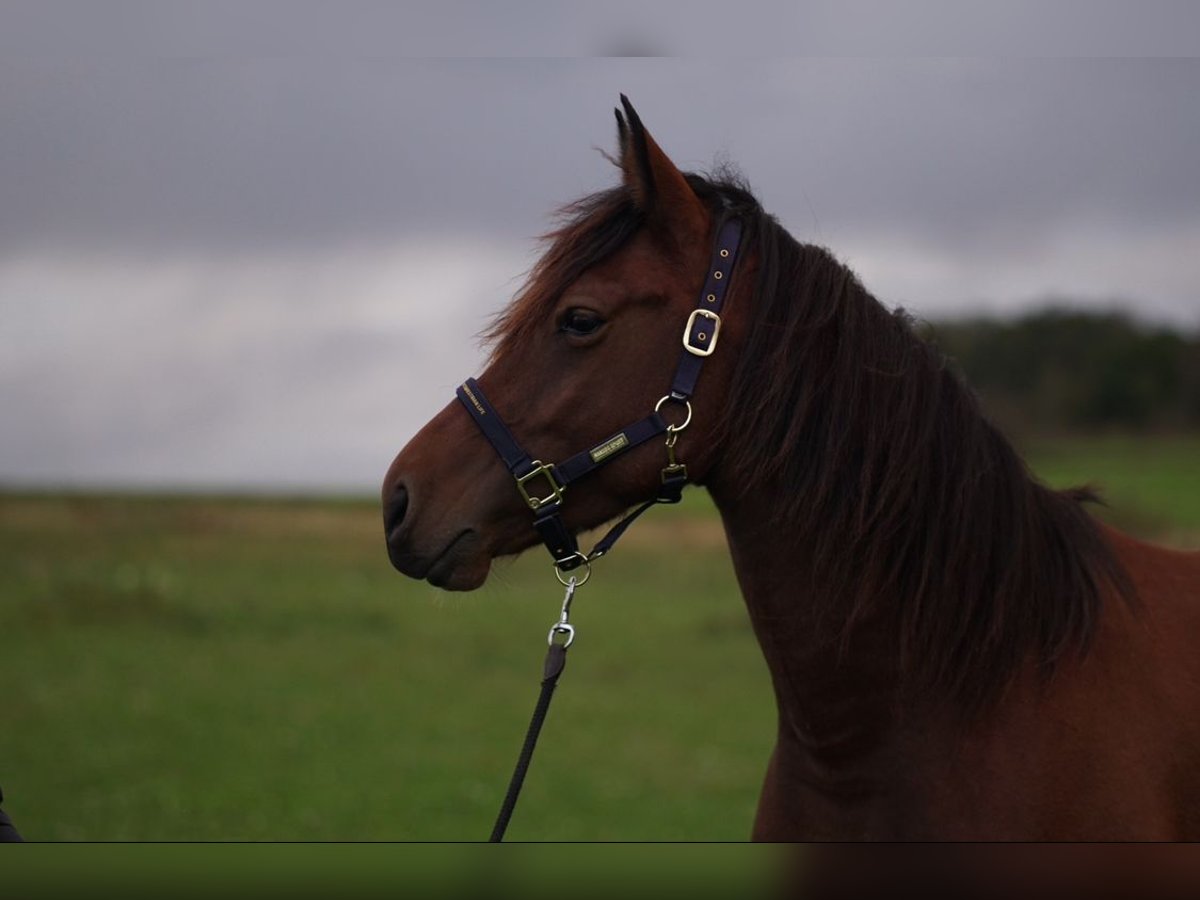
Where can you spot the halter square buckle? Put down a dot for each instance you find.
(556, 489)
(710, 340)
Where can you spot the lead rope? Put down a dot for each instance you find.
(556, 659)
(673, 478)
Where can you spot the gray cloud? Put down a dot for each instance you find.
(271, 153)
(290, 370)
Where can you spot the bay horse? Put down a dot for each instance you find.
(956, 650)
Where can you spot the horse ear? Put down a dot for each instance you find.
(659, 189)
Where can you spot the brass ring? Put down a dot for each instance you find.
(579, 582)
(686, 422)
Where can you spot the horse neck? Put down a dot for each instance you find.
(836, 687)
(856, 750)
(846, 736)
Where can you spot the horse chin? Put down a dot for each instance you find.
(463, 566)
(462, 578)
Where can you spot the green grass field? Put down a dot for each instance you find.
(207, 668)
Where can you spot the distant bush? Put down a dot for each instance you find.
(1058, 370)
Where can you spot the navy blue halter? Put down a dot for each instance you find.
(542, 485)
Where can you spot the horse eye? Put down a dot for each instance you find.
(581, 322)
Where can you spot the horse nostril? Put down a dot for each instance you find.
(393, 515)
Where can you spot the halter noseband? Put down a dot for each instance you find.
(699, 341)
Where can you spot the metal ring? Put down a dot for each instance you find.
(686, 422)
(562, 628)
(587, 570)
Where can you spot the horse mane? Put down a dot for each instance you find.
(911, 503)
(905, 494)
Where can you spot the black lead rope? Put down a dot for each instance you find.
(556, 660)
(556, 657)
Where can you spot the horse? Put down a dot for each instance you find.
(956, 650)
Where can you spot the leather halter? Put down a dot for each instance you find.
(699, 341)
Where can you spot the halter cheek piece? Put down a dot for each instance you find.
(543, 485)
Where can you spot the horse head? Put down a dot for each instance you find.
(588, 346)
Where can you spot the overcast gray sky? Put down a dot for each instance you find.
(255, 268)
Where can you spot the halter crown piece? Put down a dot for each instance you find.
(543, 485)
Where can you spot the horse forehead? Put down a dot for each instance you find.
(640, 264)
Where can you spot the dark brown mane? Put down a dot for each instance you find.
(911, 503)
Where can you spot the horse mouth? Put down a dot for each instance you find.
(452, 561)
(460, 566)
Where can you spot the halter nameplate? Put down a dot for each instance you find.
(608, 448)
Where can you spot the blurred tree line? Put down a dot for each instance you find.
(1060, 370)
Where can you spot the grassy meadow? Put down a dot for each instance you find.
(200, 668)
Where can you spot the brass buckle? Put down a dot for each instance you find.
(556, 489)
(710, 340)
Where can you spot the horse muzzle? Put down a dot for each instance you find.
(453, 560)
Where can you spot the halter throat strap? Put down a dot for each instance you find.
(542, 485)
